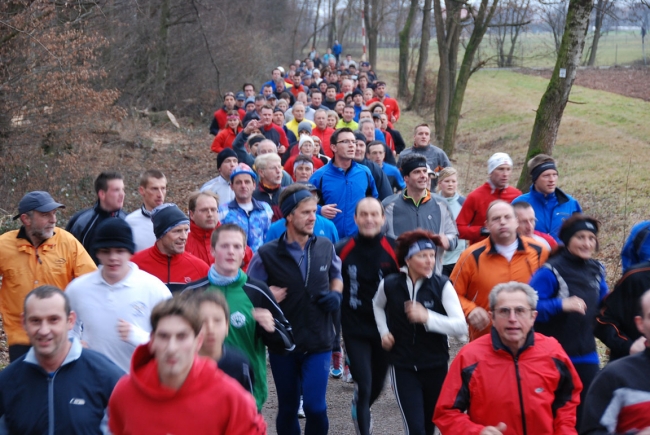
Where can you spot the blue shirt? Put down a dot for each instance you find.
(394, 176)
(323, 228)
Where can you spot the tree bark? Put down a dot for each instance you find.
(331, 34)
(553, 102)
(313, 44)
(162, 54)
(416, 102)
(372, 17)
(600, 6)
(404, 36)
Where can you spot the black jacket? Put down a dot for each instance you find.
(384, 190)
(83, 224)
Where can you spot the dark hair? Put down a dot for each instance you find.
(151, 173)
(405, 240)
(300, 158)
(335, 136)
(332, 86)
(348, 106)
(46, 292)
(315, 91)
(285, 96)
(424, 124)
(194, 197)
(538, 160)
(227, 227)
(521, 205)
(267, 86)
(216, 297)
(243, 88)
(290, 190)
(183, 307)
(101, 182)
(260, 98)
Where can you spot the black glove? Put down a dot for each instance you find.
(331, 301)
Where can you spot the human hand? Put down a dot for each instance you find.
(499, 429)
(278, 292)
(282, 149)
(445, 241)
(415, 312)
(574, 304)
(330, 301)
(638, 345)
(123, 329)
(329, 211)
(393, 120)
(264, 318)
(84, 344)
(387, 341)
(252, 125)
(479, 318)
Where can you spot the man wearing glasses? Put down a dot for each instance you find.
(527, 374)
(342, 183)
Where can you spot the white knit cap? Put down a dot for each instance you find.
(497, 160)
(304, 138)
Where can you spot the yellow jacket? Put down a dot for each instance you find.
(57, 261)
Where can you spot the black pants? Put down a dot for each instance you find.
(587, 373)
(417, 394)
(17, 350)
(447, 269)
(368, 366)
(336, 320)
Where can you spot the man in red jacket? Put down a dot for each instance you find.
(167, 259)
(170, 389)
(392, 108)
(471, 219)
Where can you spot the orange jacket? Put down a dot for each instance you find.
(57, 261)
(480, 267)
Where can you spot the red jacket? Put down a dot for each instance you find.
(324, 136)
(283, 136)
(209, 402)
(199, 245)
(296, 90)
(486, 385)
(224, 139)
(472, 215)
(392, 108)
(221, 116)
(175, 271)
(288, 166)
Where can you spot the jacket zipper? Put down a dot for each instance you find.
(521, 397)
(50, 405)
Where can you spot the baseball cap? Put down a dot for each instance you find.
(37, 200)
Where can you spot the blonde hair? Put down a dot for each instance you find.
(447, 172)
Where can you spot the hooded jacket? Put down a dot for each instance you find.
(176, 271)
(209, 402)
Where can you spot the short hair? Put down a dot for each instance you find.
(335, 136)
(521, 205)
(372, 199)
(302, 158)
(298, 103)
(46, 292)
(267, 107)
(185, 308)
(332, 113)
(101, 182)
(264, 160)
(405, 240)
(375, 143)
(315, 91)
(424, 124)
(243, 88)
(511, 287)
(320, 111)
(290, 190)
(216, 297)
(492, 204)
(366, 121)
(538, 160)
(445, 173)
(227, 227)
(285, 96)
(149, 174)
(194, 197)
(332, 86)
(348, 106)
(260, 98)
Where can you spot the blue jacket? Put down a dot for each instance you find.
(70, 401)
(323, 228)
(394, 176)
(345, 189)
(337, 49)
(637, 246)
(256, 223)
(550, 210)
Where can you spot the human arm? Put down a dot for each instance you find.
(214, 126)
(383, 185)
(82, 262)
(467, 228)
(396, 112)
(219, 142)
(400, 145)
(546, 284)
(280, 338)
(599, 398)
(454, 322)
(448, 226)
(567, 394)
(239, 146)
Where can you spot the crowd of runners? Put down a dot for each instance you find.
(330, 249)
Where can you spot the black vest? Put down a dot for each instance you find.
(312, 327)
(415, 348)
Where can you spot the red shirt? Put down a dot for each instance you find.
(324, 136)
(288, 166)
(224, 139)
(392, 108)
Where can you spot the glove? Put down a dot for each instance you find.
(330, 302)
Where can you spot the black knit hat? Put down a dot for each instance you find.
(113, 233)
(224, 154)
(165, 217)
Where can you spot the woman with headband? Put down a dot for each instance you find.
(415, 310)
(227, 135)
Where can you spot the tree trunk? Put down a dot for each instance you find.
(554, 100)
(404, 36)
(162, 53)
(372, 18)
(481, 22)
(416, 102)
(598, 26)
(313, 44)
(331, 34)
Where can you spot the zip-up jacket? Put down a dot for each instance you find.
(637, 246)
(84, 223)
(176, 271)
(615, 325)
(550, 210)
(271, 196)
(324, 136)
(220, 119)
(472, 216)
(536, 391)
(23, 267)
(382, 183)
(431, 213)
(256, 223)
(224, 139)
(70, 401)
(480, 267)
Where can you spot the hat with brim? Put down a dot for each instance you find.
(37, 200)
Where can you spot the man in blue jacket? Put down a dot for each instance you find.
(57, 387)
(552, 206)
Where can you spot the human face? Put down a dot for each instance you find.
(546, 182)
(250, 107)
(583, 244)
(643, 321)
(205, 213)
(154, 193)
(360, 151)
(303, 217)
(278, 118)
(502, 223)
(369, 217)
(330, 93)
(249, 91)
(417, 180)
(303, 173)
(298, 112)
(316, 99)
(258, 105)
(448, 186)
(47, 327)
(276, 74)
(378, 110)
(422, 263)
(513, 329)
(266, 117)
(422, 136)
(229, 102)
(227, 166)
(346, 86)
(40, 226)
(332, 121)
(112, 199)
(174, 346)
(381, 91)
(368, 130)
(228, 252)
(367, 94)
(272, 174)
(243, 186)
(215, 328)
(266, 91)
(283, 105)
(376, 153)
(338, 108)
(384, 121)
(377, 122)
(365, 114)
(500, 177)
(323, 87)
(279, 86)
(233, 122)
(307, 148)
(320, 119)
(527, 220)
(115, 263)
(173, 243)
(348, 114)
(346, 146)
(358, 99)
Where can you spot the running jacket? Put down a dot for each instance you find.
(534, 392)
(255, 224)
(175, 271)
(84, 223)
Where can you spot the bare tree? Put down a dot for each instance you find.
(554, 14)
(602, 8)
(509, 21)
(374, 15)
(404, 37)
(416, 102)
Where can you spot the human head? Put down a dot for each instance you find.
(242, 181)
(253, 144)
(233, 120)
(448, 182)
(376, 118)
(279, 85)
(276, 73)
(526, 218)
(368, 94)
(306, 145)
(369, 217)
(380, 89)
(152, 188)
(298, 207)
(643, 319)
(348, 113)
(330, 93)
(360, 151)
(579, 233)
(260, 101)
(376, 152)
(266, 115)
(367, 128)
(109, 187)
(417, 250)
(282, 105)
(384, 121)
(298, 111)
(240, 98)
(249, 89)
(346, 86)
(226, 162)
(267, 146)
(499, 170)
(422, 136)
(413, 168)
(339, 106)
(316, 98)
(332, 119)
(215, 315)
(357, 97)
(543, 171)
(365, 114)
(229, 101)
(513, 307)
(228, 247)
(377, 107)
(267, 90)
(269, 169)
(320, 119)
(278, 116)
(171, 227)
(343, 144)
(501, 223)
(303, 168)
(37, 213)
(203, 209)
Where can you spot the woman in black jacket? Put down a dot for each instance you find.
(415, 310)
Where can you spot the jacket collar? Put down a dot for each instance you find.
(521, 247)
(497, 344)
(73, 354)
(199, 232)
(559, 194)
(22, 234)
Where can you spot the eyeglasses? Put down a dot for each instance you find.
(504, 312)
(347, 141)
